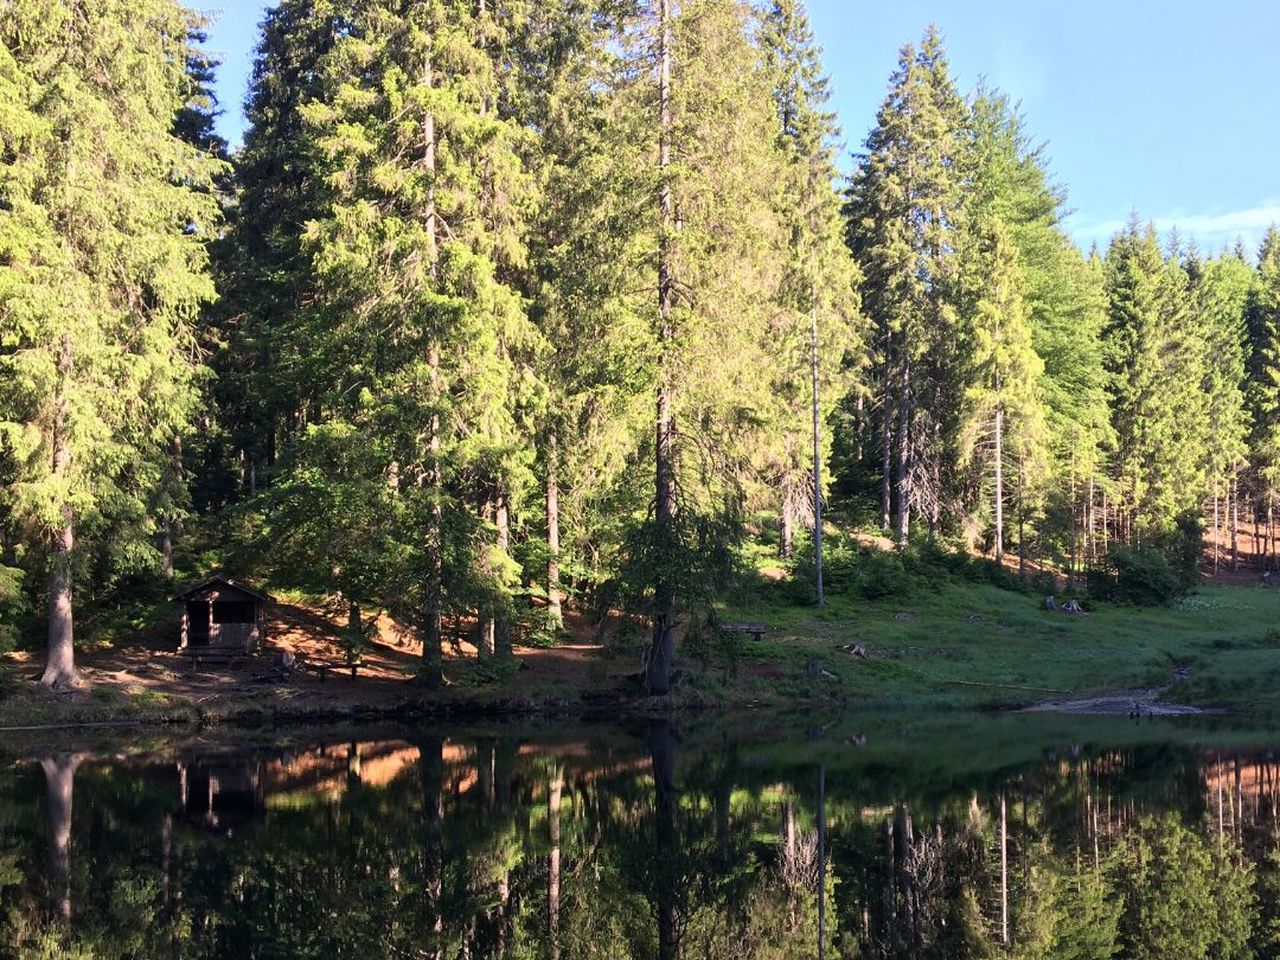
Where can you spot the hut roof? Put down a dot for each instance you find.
(216, 582)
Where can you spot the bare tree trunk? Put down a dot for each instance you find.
(886, 459)
(662, 651)
(817, 450)
(431, 671)
(786, 528)
(1022, 528)
(999, 470)
(903, 468)
(502, 622)
(553, 529)
(1090, 545)
(1235, 525)
(859, 426)
(1217, 527)
(60, 667)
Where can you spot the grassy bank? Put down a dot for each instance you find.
(925, 649)
(950, 645)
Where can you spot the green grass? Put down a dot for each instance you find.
(918, 645)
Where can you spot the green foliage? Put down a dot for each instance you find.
(1137, 575)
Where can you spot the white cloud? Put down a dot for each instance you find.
(1211, 231)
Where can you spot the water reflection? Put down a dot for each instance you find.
(637, 845)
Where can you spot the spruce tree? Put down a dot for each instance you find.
(818, 293)
(104, 215)
(1263, 325)
(1220, 293)
(1004, 416)
(904, 205)
(1065, 312)
(427, 193)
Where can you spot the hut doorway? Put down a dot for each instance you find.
(198, 620)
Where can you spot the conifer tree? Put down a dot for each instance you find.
(1003, 416)
(1157, 406)
(104, 214)
(427, 192)
(718, 245)
(1263, 325)
(1065, 312)
(818, 302)
(1220, 292)
(905, 202)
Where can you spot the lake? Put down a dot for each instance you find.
(951, 836)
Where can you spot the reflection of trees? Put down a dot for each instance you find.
(641, 850)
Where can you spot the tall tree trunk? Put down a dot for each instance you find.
(485, 620)
(817, 449)
(60, 666)
(1235, 524)
(786, 527)
(432, 772)
(886, 459)
(1090, 523)
(903, 467)
(860, 427)
(1022, 523)
(999, 469)
(502, 622)
(553, 530)
(662, 651)
(431, 671)
(1217, 526)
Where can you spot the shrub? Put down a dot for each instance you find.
(1137, 575)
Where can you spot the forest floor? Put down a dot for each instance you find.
(943, 647)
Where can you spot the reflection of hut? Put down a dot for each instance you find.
(219, 794)
(222, 614)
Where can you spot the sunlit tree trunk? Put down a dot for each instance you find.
(663, 647)
(553, 529)
(60, 667)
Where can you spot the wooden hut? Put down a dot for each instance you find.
(222, 615)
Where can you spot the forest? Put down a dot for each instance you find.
(505, 309)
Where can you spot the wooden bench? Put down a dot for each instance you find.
(755, 630)
(322, 667)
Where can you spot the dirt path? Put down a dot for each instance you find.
(1136, 702)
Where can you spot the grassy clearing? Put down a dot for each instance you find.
(1228, 636)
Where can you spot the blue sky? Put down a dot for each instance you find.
(1166, 107)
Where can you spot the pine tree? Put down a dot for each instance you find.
(903, 208)
(1066, 312)
(426, 213)
(1220, 292)
(1004, 417)
(818, 303)
(266, 389)
(1263, 326)
(584, 246)
(103, 222)
(1158, 409)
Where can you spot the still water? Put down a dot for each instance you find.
(1008, 837)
